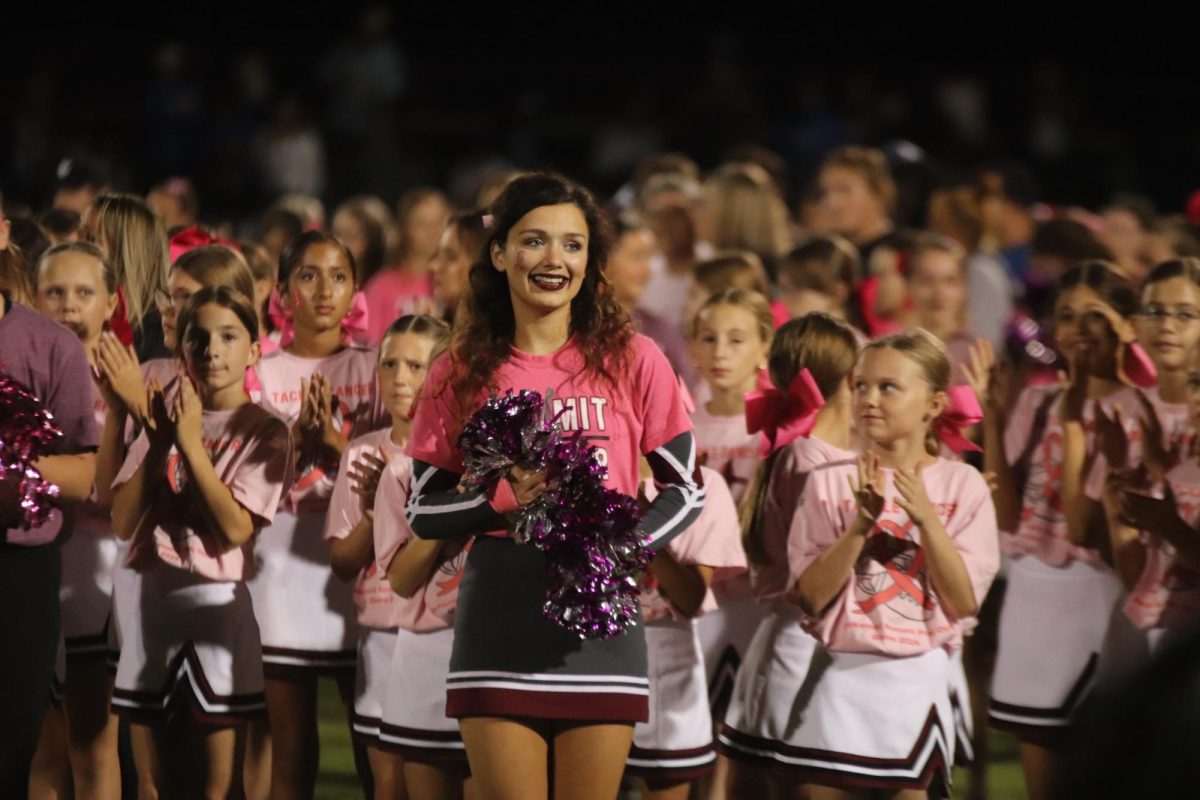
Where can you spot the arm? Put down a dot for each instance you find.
(437, 510)
(413, 564)
(947, 569)
(684, 585)
(680, 497)
(110, 455)
(1128, 552)
(354, 502)
(825, 577)
(348, 556)
(72, 474)
(989, 380)
(133, 499)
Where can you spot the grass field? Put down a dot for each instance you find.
(337, 780)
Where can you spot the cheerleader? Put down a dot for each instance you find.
(892, 556)
(77, 287)
(325, 387)
(805, 422)
(540, 315)
(404, 357)
(199, 482)
(675, 746)
(1060, 603)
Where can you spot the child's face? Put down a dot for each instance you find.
(892, 399)
(320, 289)
(403, 364)
(847, 201)
(217, 349)
(451, 266)
(629, 265)
(545, 258)
(938, 291)
(728, 348)
(1083, 330)
(1168, 326)
(71, 291)
(180, 286)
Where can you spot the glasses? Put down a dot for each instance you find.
(165, 301)
(1182, 316)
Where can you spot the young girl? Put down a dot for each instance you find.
(203, 477)
(555, 695)
(423, 579)
(937, 284)
(135, 243)
(421, 217)
(76, 287)
(777, 659)
(404, 358)
(1155, 542)
(734, 270)
(821, 275)
(326, 390)
(675, 746)
(460, 244)
(1060, 596)
(730, 341)
(892, 556)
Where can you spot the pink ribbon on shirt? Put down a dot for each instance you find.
(355, 321)
(782, 417)
(961, 412)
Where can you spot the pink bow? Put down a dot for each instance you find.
(783, 417)
(193, 237)
(961, 412)
(354, 324)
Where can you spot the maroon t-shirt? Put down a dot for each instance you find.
(48, 359)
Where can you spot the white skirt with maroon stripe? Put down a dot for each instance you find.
(414, 702)
(871, 721)
(187, 638)
(305, 612)
(89, 557)
(125, 587)
(960, 706)
(1053, 628)
(675, 744)
(375, 649)
(769, 693)
(725, 637)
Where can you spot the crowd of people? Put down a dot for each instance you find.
(899, 486)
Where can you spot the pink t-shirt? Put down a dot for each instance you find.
(643, 414)
(358, 411)
(724, 446)
(780, 505)
(1167, 594)
(373, 596)
(431, 608)
(250, 449)
(1172, 417)
(713, 540)
(391, 293)
(888, 604)
(1042, 527)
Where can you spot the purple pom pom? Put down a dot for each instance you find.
(27, 429)
(589, 533)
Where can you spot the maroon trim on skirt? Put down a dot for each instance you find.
(323, 662)
(666, 775)
(439, 749)
(178, 690)
(737, 737)
(591, 706)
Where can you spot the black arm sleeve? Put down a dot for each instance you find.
(437, 510)
(680, 491)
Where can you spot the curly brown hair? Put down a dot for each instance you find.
(485, 324)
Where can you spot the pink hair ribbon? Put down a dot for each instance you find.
(354, 324)
(961, 412)
(193, 237)
(782, 417)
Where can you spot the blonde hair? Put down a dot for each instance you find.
(828, 349)
(747, 211)
(83, 249)
(746, 299)
(137, 249)
(872, 165)
(928, 352)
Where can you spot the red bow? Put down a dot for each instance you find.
(194, 236)
(118, 322)
(354, 324)
(961, 412)
(783, 417)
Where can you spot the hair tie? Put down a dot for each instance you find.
(782, 417)
(961, 412)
